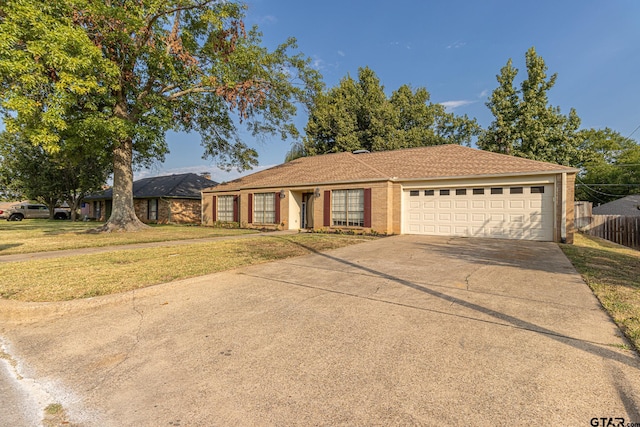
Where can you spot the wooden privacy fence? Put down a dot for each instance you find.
(624, 230)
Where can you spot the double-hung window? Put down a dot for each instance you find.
(152, 209)
(264, 208)
(225, 208)
(347, 208)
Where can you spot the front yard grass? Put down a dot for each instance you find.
(37, 235)
(67, 278)
(613, 274)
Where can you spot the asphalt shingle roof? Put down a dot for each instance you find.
(441, 161)
(627, 206)
(181, 186)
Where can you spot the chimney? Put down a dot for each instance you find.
(206, 175)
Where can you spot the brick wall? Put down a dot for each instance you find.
(174, 211)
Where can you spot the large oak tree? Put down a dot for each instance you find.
(129, 71)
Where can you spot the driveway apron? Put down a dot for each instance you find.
(404, 330)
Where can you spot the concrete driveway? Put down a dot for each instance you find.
(404, 330)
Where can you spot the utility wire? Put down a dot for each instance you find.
(634, 131)
(599, 192)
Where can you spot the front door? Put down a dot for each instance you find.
(306, 213)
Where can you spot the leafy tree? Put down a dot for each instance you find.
(34, 173)
(524, 124)
(128, 72)
(358, 115)
(26, 170)
(296, 151)
(611, 168)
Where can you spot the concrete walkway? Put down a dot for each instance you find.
(405, 330)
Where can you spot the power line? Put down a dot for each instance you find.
(610, 185)
(634, 131)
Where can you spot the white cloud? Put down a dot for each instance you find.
(341, 53)
(318, 63)
(456, 45)
(484, 93)
(267, 19)
(452, 105)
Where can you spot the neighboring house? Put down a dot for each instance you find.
(161, 199)
(627, 206)
(446, 190)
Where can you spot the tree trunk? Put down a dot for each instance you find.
(123, 216)
(75, 204)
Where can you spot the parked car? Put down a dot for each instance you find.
(21, 211)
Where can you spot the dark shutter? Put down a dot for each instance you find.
(235, 208)
(214, 209)
(250, 209)
(326, 221)
(367, 207)
(277, 197)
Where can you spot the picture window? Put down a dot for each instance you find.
(515, 190)
(444, 192)
(264, 208)
(225, 208)
(429, 192)
(478, 191)
(413, 193)
(461, 192)
(496, 190)
(347, 207)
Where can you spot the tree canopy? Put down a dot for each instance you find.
(30, 171)
(611, 167)
(122, 74)
(358, 115)
(524, 124)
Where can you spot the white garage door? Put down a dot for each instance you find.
(511, 212)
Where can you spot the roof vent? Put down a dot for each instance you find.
(361, 152)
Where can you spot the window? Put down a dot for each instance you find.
(461, 192)
(347, 208)
(496, 190)
(515, 190)
(429, 192)
(264, 208)
(225, 208)
(444, 192)
(152, 209)
(413, 193)
(478, 191)
(537, 189)
(97, 209)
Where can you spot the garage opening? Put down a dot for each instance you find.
(508, 212)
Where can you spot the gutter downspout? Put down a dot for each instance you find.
(563, 219)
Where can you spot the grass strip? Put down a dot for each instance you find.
(43, 235)
(107, 273)
(613, 274)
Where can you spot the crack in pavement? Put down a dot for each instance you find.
(107, 375)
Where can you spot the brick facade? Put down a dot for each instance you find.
(170, 211)
(386, 206)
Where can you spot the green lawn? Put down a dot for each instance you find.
(37, 235)
(84, 276)
(613, 273)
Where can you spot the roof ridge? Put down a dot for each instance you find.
(184, 176)
(359, 160)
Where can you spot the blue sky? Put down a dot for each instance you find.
(454, 49)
